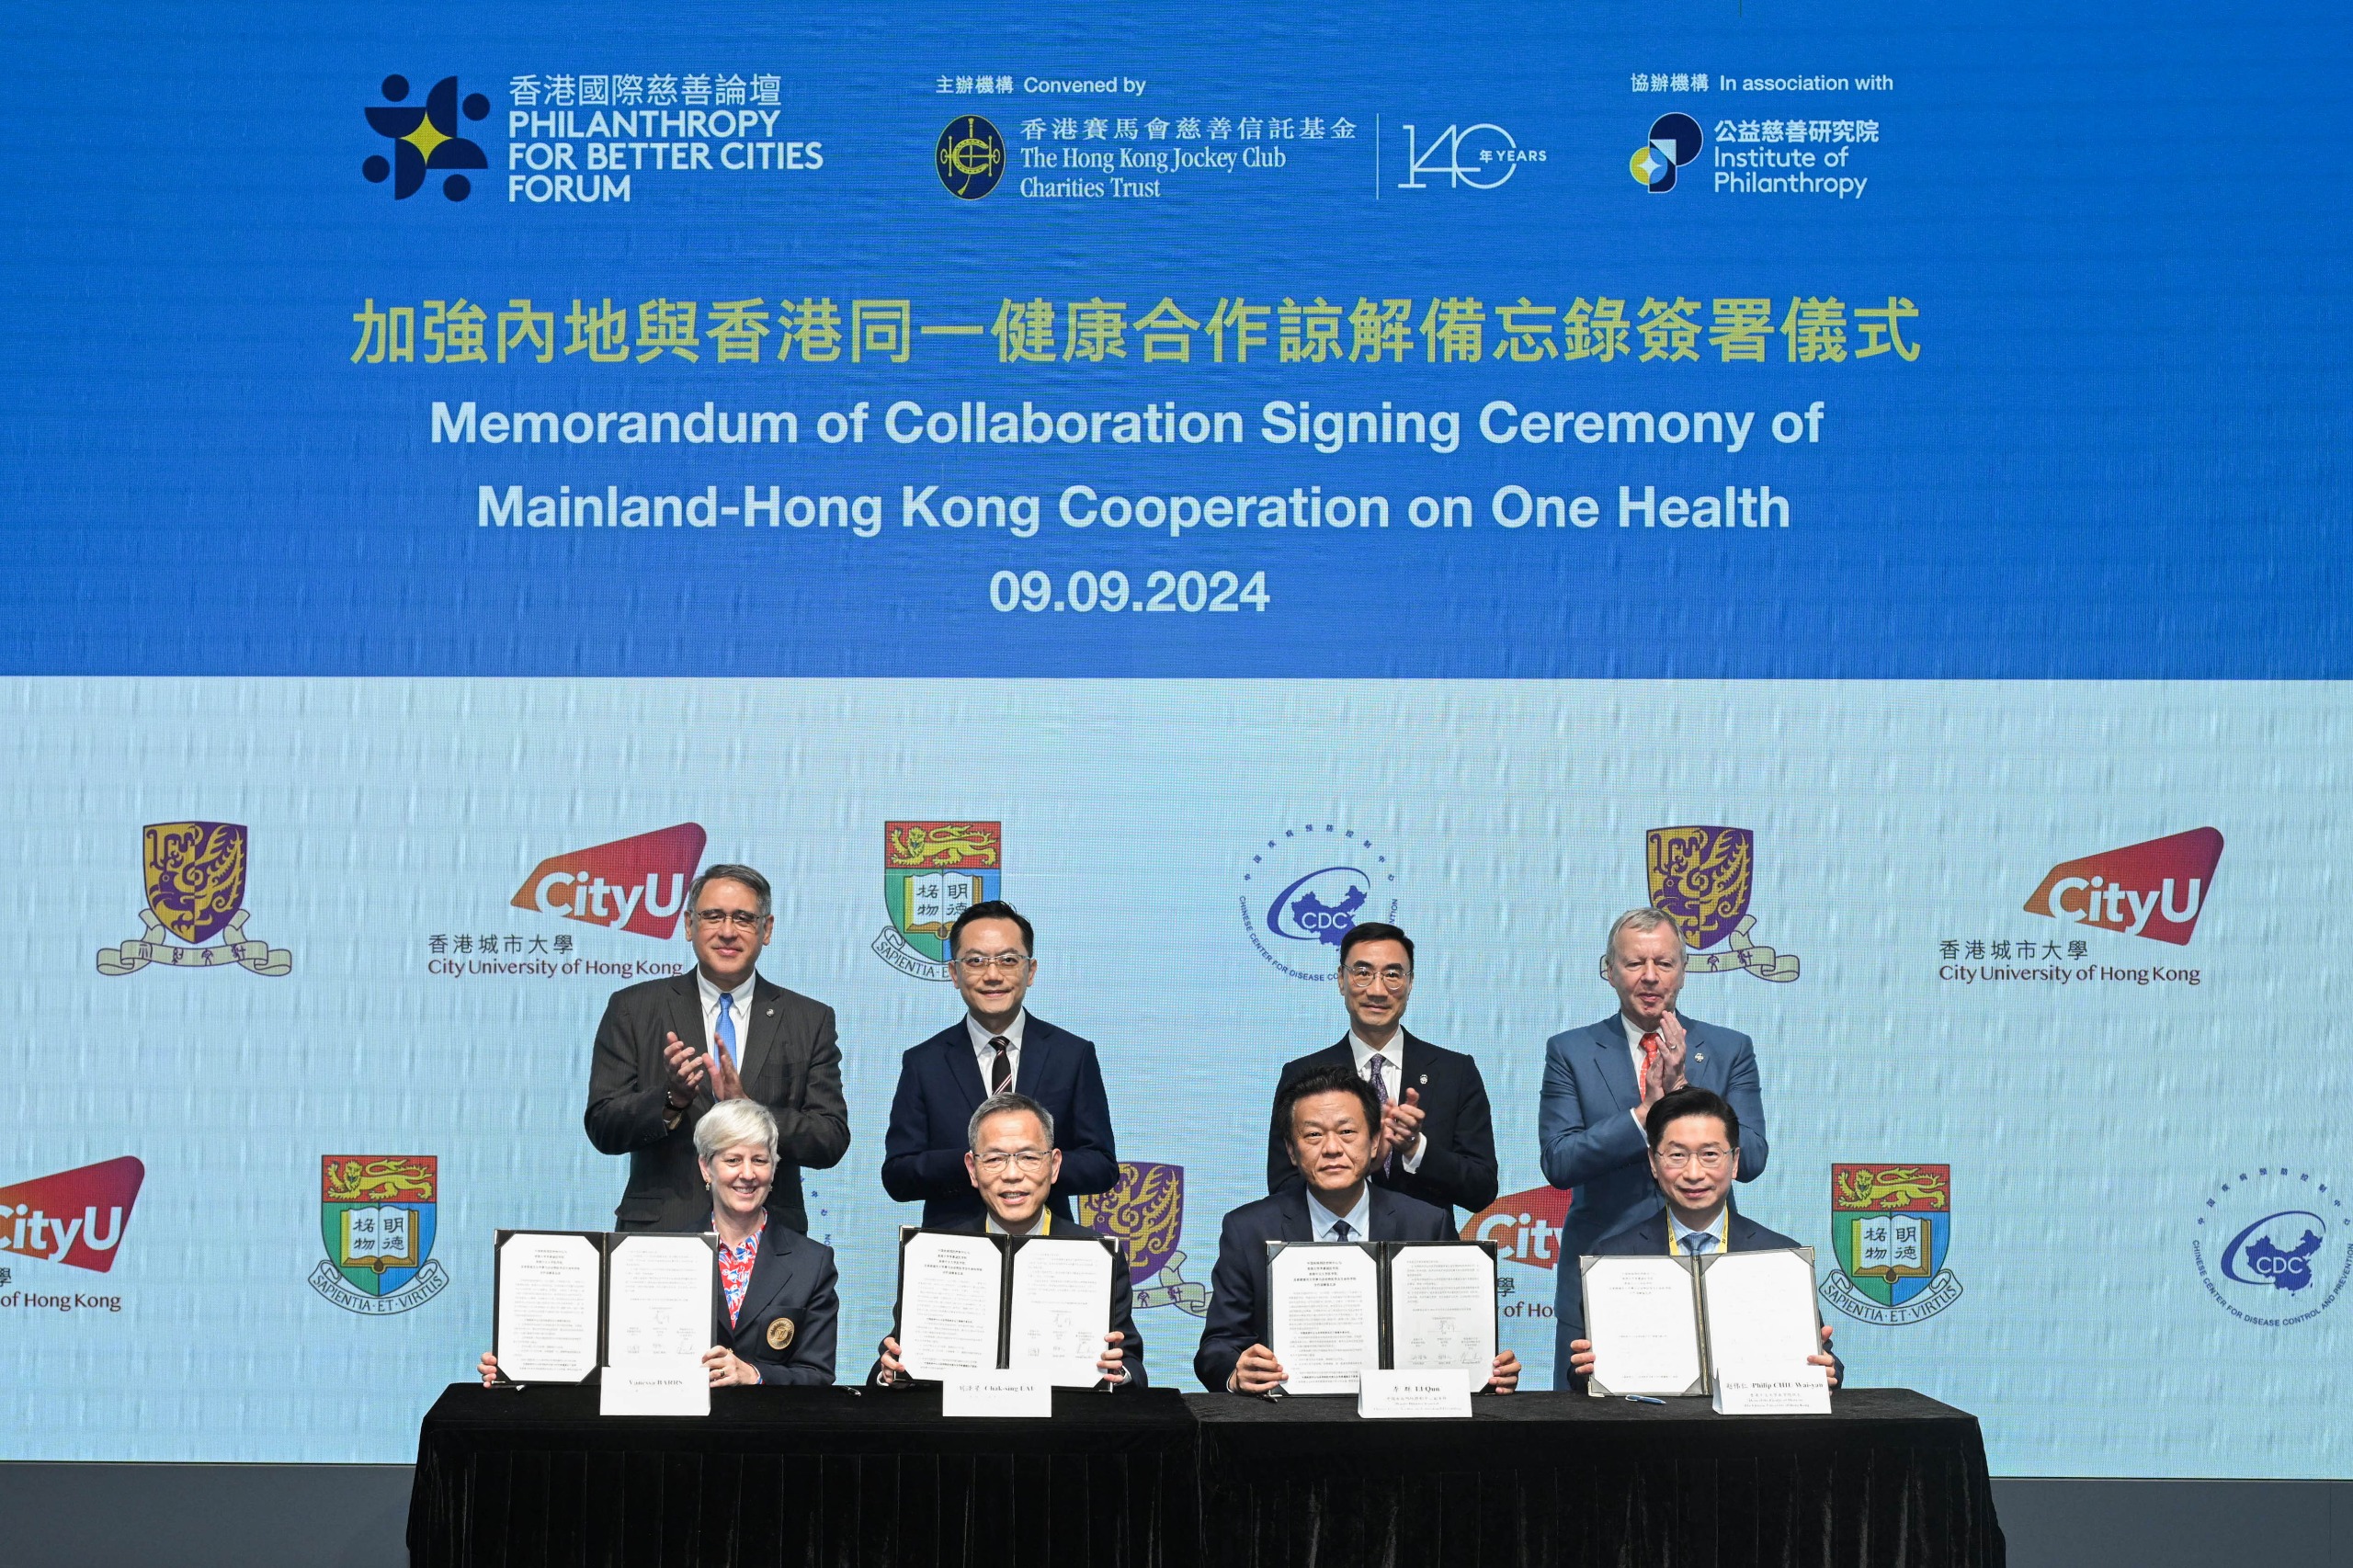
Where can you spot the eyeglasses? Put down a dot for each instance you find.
(742, 919)
(1706, 1159)
(980, 963)
(1360, 975)
(1028, 1162)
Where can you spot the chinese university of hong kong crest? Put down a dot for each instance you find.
(196, 891)
(1890, 1226)
(932, 872)
(375, 1214)
(1700, 878)
(1146, 1211)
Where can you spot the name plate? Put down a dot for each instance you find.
(1435, 1394)
(654, 1388)
(1804, 1394)
(990, 1395)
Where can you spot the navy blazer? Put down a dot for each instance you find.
(1237, 1314)
(940, 1086)
(1123, 1318)
(793, 1282)
(1646, 1237)
(1457, 1167)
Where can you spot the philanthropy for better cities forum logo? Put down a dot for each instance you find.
(74, 1218)
(425, 141)
(1700, 878)
(971, 157)
(1890, 1226)
(2155, 890)
(196, 891)
(375, 1214)
(2271, 1246)
(1305, 887)
(932, 872)
(631, 884)
(1674, 141)
(1146, 1212)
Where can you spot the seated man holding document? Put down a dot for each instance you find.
(1694, 1137)
(776, 1306)
(1012, 1161)
(1334, 1123)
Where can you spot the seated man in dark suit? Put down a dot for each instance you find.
(1695, 1152)
(1335, 1126)
(1011, 1161)
(996, 1048)
(1440, 1135)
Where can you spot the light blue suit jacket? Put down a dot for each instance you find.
(1588, 1141)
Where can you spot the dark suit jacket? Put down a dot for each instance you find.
(1237, 1314)
(1123, 1319)
(1646, 1237)
(1458, 1169)
(790, 1064)
(793, 1280)
(940, 1086)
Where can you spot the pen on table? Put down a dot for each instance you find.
(1643, 1399)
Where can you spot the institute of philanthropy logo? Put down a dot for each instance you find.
(932, 872)
(631, 884)
(425, 141)
(196, 891)
(375, 1214)
(2271, 1246)
(1890, 1226)
(74, 1218)
(1674, 141)
(1303, 888)
(2154, 890)
(1146, 1212)
(970, 156)
(1700, 878)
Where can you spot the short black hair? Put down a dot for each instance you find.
(993, 909)
(1374, 931)
(1690, 1101)
(1333, 1078)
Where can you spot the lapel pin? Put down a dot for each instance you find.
(1698, 1056)
(1425, 1079)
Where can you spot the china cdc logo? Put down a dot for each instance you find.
(1306, 886)
(2271, 1246)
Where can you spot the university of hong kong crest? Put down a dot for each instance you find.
(932, 872)
(196, 891)
(1146, 1211)
(1700, 878)
(375, 1214)
(1890, 1226)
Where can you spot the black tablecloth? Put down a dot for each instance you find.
(1889, 1479)
(536, 1479)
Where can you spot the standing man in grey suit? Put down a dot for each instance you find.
(1600, 1083)
(669, 1049)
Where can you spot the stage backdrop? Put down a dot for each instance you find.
(1867, 485)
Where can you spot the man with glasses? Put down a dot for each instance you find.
(996, 1048)
(670, 1050)
(1694, 1139)
(1440, 1137)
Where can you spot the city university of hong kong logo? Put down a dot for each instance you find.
(1890, 1226)
(2271, 1246)
(1700, 878)
(1146, 1211)
(932, 872)
(1303, 890)
(196, 891)
(1674, 141)
(425, 141)
(1524, 1227)
(2154, 890)
(376, 1213)
(74, 1218)
(631, 884)
(971, 157)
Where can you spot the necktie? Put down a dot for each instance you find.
(1649, 1060)
(1380, 1099)
(727, 1027)
(1340, 1231)
(1699, 1242)
(1000, 1071)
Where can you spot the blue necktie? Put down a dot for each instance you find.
(1340, 1231)
(1699, 1242)
(727, 1027)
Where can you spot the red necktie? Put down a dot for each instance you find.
(1649, 1060)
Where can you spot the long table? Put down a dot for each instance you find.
(844, 1476)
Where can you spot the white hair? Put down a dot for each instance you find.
(733, 1122)
(1644, 920)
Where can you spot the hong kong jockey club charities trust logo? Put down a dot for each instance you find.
(1890, 1226)
(1146, 1212)
(375, 1214)
(425, 141)
(932, 872)
(1700, 878)
(970, 157)
(196, 891)
(1303, 888)
(76, 1217)
(2272, 1246)
(2155, 890)
(631, 884)
(1674, 141)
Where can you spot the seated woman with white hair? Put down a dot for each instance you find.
(777, 1304)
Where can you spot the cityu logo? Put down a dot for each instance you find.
(2154, 890)
(631, 884)
(75, 1217)
(1525, 1226)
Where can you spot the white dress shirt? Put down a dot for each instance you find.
(1321, 1220)
(1389, 1061)
(1678, 1235)
(986, 1052)
(742, 1012)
